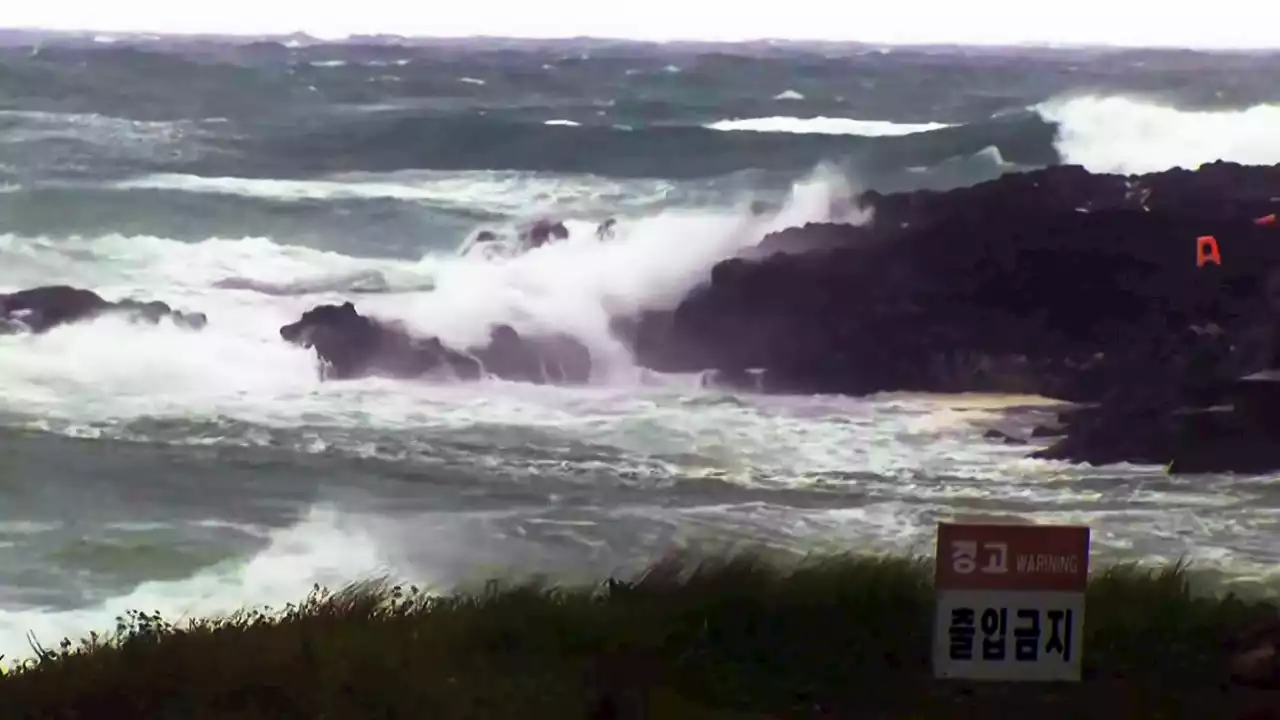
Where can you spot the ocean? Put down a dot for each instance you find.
(150, 468)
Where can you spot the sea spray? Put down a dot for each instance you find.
(579, 285)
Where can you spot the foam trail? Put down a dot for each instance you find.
(824, 126)
(1128, 135)
(498, 192)
(359, 281)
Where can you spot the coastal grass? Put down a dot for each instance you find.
(741, 636)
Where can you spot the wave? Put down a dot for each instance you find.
(1134, 135)
(575, 287)
(327, 546)
(494, 193)
(826, 126)
(1104, 133)
(358, 282)
(404, 210)
(264, 111)
(324, 156)
(398, 213)
(405, 141)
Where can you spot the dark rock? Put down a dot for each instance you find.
(1257, 398)
(1242, 437)
(1058, 282)
(543, 231)
(1003, 286)
(556, 359)
(1255, 657)
(350, 345)
(41, 309)
(1004, 437)
(1043, 431)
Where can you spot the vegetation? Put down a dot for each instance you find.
(735, 638)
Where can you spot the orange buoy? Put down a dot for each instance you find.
(1265, 220)
(1207, 251)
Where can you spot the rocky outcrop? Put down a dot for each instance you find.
(350, 345)
(41, 309)
(1058, 282)
(1240, 434)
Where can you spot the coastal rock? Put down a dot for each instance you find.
(947, 302)
(1241, 436)
(350, 345)
(1004, 437)
(1057, 282)
(41, 309)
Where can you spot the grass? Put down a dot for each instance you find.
(739, 637)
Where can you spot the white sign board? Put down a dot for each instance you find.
(1010, 602)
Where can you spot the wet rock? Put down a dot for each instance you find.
(41, 309)
(1004, 437)
(1044, 431)
(552, 359)
(350, 345)
(1242, 436)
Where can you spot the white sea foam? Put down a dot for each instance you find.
(1134, 134)
(825, 126)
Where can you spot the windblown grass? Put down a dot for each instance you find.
(738, 637)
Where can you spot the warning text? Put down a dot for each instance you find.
(1048, 563)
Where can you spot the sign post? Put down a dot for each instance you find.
(1010, 602)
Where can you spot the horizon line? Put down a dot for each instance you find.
(356, 37)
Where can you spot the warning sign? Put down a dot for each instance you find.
(1010, 601)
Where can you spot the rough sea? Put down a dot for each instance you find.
(149, 468)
